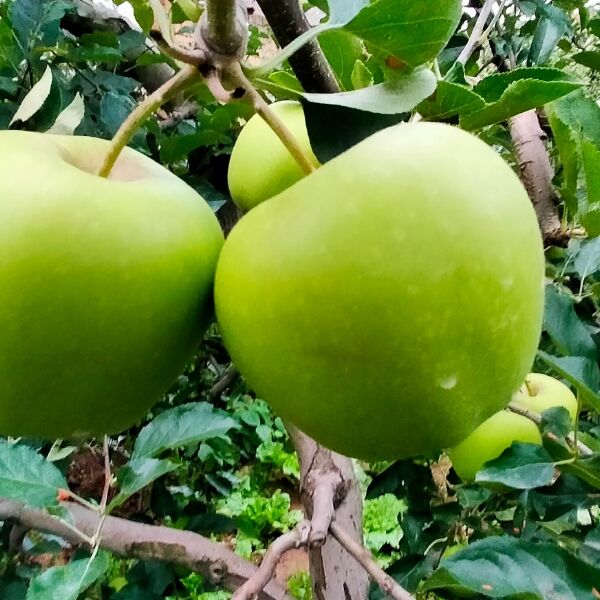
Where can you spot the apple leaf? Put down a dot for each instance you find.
(509, 94)
(509, 567)
(552, 24)
(180, 426)
(37, 20)
(581, 372)
(70, 118)
(564, 326)
(521, 467)
(393, 97)
(580, 113)
(343, 11)
(449, 100)
(35, 98)
(587, 469)
(589, 59)
(137, 474)
(67, 582)
(586, 260)
(591, 167)
(342, 50)
(414, 32)
(556, 420)
(26, 476)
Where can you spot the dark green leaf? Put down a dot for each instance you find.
(521, 467)
(26, 476)
(551, 26)
(137, 474)
(186, 424)
(177, 147)
(449, 100)
(564, 326)
(37, 20)
(590, 59)
(504, 567)
(579, 113)
(69, 581)
(591, 167)
(509, 94)
(587, 262)
(556, 420)
(586, 469)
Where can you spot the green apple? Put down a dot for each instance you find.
(261, 165)
(541, 392)
(490, 440)
(105, 284)
(391, 301)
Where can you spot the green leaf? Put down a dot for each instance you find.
(343, 11)
(37, 20)
(587, 469)
(587, 261)
(591, 167)
(551, 26)
(509, 94)
(69, 581)
(35, 98)
(70, 118)
(137, 474)
(505, 567)
(589, 59)
(414, 32)
(361, 76)
(396, 96)
(186, 424)
(449, 100)
(582, 373)
(342, 50)
(564, 326)
(26, 476)
(579, 113)
(177, 147)
(521, 467)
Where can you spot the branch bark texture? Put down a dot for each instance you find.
(537, 173)
(136, 540)
(287, 21)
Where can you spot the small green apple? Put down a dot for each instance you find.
(261, 166)
(541, 392)
(105, 284)
(391, 301)
(490, 440)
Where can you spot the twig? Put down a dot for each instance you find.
(537, 419)
(292, 539)
(476, 34)
(214, 561)
(137, 117)
(223, 383)
(365, 558)
(305, 161)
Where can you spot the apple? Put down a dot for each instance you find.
(490, 440)
(261, 166)
(105, 284)
(391, 301)
(541, 392)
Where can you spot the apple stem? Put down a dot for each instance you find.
(306, 162)
(137, 117)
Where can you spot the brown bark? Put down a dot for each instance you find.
(537, 173)
(135, 540)
(287, 21)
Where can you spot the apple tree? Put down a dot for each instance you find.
(418, 287)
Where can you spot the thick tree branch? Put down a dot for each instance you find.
(135, 540)
(334, 576)
(537, 173)
(287, 21)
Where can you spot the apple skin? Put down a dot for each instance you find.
(541, 392)
(261, 166)
(490, 440)
(105, 284)
(391, 301)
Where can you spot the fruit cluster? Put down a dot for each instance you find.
(387, 304)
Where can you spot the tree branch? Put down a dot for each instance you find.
(287, 21)
(477, 33)
(537, 173)
(365, 558)
(224, 27)
(334, 576)
(135, 540)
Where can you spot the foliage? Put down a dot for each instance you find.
(222, 464)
